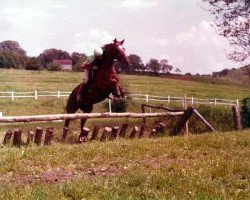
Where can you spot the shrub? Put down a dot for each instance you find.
(33, 64)
(54, 67)
(245, 112)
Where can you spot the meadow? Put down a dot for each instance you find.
(200, 166)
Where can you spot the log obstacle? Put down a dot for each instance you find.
(48, 136)
(85, 116)
(30, 137)
(237, 118)
(7, 137)
(108, 133)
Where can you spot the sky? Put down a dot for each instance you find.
(180, 31)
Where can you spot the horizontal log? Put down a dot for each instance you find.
(162, 107)
(84, 116)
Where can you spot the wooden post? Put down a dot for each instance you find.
(237, 118)
(48, 136)
(143, 111)
(95, 133)
(84, 135)
(152, 133)
(17, 140)
(38, 135)
(161, 128)
(181, 123)
(123, 130)
(65, 133)
(106, 131)
(114, 132)
(133, 132)
(203, 120)
(7, 137)
(141, 130)
(185, 107)
(30, 137)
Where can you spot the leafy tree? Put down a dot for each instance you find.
(136, 63)
(78, 65)
(177, 70)
(33, 64)
(165, 66)
(75, 57)
(232, 19)
(12, 46)
(12, 54)
(49, 55)
(154, 66)
(54, 67)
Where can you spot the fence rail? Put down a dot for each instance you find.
(145, 97)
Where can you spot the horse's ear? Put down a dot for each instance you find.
(122, 42)
(115, 41)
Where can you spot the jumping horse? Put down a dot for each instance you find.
(104, 81)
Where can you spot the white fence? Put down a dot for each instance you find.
(144, 97)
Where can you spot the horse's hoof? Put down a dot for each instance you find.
(82, 139)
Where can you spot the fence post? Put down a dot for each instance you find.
(215, 101)
(36, 95)
(110, 109)
(237, 102)
(12, 95)
(58, 94)
(192, 100)
(147, 102)
(168, 99)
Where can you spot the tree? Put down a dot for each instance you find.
(14, 55)
(33, 64)
(49, 55)
(165, 66)
(154, 66)
(12, 46)
(177, 70)
(136, 63)
(75, 57)
(54, 67)
(78, 66)
(232, 19)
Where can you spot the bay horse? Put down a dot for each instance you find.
(104, 81)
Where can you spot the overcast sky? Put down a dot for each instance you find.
(178, 30)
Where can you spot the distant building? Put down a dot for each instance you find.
(66, 64)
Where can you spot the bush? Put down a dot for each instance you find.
(54, 67)
(245, 112)
(33, 64)
(220, 117)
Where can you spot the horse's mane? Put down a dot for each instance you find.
(107, 47)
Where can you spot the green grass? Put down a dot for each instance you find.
(208, 166)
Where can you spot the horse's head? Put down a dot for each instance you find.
(117, 51)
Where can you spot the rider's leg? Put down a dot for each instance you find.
(83, 87)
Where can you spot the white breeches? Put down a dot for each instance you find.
(86, 75)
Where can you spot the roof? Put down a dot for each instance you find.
(63, 62)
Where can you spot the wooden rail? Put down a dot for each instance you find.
(84, 116)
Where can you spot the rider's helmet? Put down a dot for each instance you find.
(98, 52)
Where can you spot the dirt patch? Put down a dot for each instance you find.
(61, 175)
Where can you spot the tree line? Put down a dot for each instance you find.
(12, 55)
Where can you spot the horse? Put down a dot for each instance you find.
(104, 81)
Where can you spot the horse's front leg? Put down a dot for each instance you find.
(84, 134)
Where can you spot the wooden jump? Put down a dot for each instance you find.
(84, 116)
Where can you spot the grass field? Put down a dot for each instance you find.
(208, 166)
(204, 166)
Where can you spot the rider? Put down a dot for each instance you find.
(91, 64)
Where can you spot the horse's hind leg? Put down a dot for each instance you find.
(83, 121)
